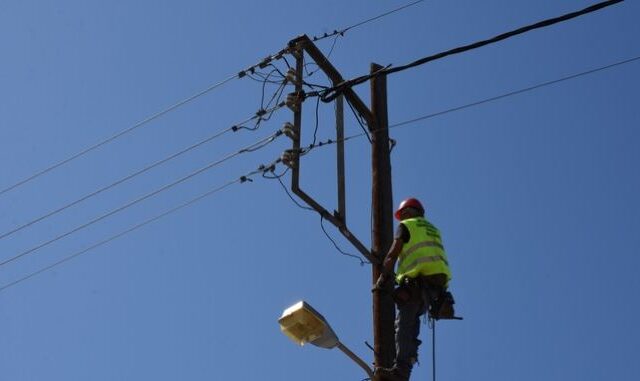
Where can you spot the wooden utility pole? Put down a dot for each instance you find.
(382, 224)
(382, 200)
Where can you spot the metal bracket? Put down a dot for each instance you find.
(298, 47)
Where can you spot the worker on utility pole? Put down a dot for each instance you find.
(422, 278)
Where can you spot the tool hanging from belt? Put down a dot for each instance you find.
(440, 301)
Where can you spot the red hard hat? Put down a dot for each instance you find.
(408, 203)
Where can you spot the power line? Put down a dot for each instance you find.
(330, 94)
(145, 121)
(304, 207)
(305, 150)
(250, 148)
(515, 92)
(235, 127)
(335, 245)
(481, 102)
(344, 30)
(117, 135)
(336, 34)
(240, 180)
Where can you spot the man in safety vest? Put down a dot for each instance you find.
(422, 277)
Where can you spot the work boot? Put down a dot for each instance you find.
(393, 374)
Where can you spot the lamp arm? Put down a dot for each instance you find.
(356, 359)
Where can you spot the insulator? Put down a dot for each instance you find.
(291, 75)
(293, 102)
(290, 130)
(289, 158)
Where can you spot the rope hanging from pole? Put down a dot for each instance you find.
(433, 347)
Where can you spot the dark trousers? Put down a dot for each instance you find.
(420, 291)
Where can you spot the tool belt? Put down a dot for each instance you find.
(430, 290)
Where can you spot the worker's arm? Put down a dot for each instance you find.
(392, 256)
(389, 263)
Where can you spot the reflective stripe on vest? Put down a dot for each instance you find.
(432, 258)
(424, 253)
(420, 245)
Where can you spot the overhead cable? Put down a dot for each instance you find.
(336, 34)
(330, 94)
(344, 30)
(304, 207)
(242, 179)
(145, 121)
(250, 148)
(515, 92)
(305, 149)
(236, 127)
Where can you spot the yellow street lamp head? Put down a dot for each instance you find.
(303, 324)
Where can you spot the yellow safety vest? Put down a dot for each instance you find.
(424, 253)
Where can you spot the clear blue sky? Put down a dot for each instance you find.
(536, 194)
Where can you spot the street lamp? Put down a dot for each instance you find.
(303, 324)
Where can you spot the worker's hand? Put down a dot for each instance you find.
(381, 283)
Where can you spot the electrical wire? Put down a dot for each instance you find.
(250, 148)
(286, 190)
(240, 180)
(515, 92)
(328, 55)
(344, 30)
(331, 141)
(317, 123)
(117, 135)
(264, 84)
(241, 74)
(491, 99)
(304, 207)
(362, 262)
(336, 34)
(360, 122)
(235, 127)
(330, 94)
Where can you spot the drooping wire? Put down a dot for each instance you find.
(264, 85)
(362, 261)
(328, 55)
(240, 180)
(304, 207)
(344, 30)
(330, 94)
(261, 79)
(250, 148)
(302, 152)
(235, 127)
(274, 175)
(360, 122)
(317, 122)
(286, 190)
